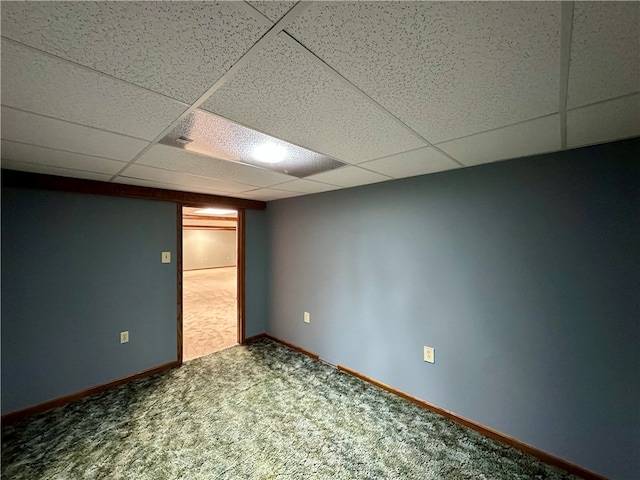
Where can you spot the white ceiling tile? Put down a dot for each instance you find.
(176, 48)
(305, 186)
(273, 10)
(165, 186)
(286, 94)
(56, 158)
(48, 170)
(177, 160)
(604, 122)
(541, 135)
(79, 95)
(48, 132)
(605, 51)
(349, 177)
(409, 164)
(188, 181)
(447, 69)
(266, 194)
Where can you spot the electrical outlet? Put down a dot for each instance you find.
(166, 257)
(429, 354)
(307, 317)
(124, 337)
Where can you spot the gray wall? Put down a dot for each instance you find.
(256, 272)
(524, 275)
(77, 270)
(206, 248)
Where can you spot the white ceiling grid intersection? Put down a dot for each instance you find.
(72, 161)
(29, 128)
(408, 164)
(41, 83)
(447, 69)
(394, 89)
(284, 94)
(175, 48)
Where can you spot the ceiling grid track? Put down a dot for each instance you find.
(566, 30)
(87, 69)
(394, 90)
(606, 100)
(225, 78)
(44, 115)
(312, 56)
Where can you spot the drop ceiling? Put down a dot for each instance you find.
(386, 89)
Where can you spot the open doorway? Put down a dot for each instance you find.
(209, 280)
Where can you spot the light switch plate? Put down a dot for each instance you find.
(166, 257)
(124, 337)
(307, 317)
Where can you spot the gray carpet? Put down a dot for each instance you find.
(254, 412)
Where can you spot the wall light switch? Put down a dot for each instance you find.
(166, 257)
(429, 354)
(124, 337)
(307, 317)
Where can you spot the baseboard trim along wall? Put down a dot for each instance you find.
(254, 338)
(60, 401)
(486, 431)
(315, 356)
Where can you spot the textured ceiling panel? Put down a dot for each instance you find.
(176, 48)
(208, 134)
(266, 194)
(605, 51)
(48, 132)
(408, 164)
(176, 160)
(273, 10)
(604, 122)
(57, 158)
(87, 85)
(48, 170)
(166, 186)
(349, 177)
(166, 176)
(285, 93)
(78, 95)
(447, 69)
(305, 186)
(528, 138)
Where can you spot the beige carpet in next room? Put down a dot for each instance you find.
(209, 311)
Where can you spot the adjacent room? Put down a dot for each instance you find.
(209, 281)
(423, 262)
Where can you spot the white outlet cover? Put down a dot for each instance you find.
(124, 337)
(166, 257)
(307, 317)
(429, 354)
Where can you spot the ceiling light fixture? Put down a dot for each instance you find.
(204, 133)
(214, 211)
(269, 153)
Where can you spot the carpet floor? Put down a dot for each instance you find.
(260, 411)
(210, 311)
